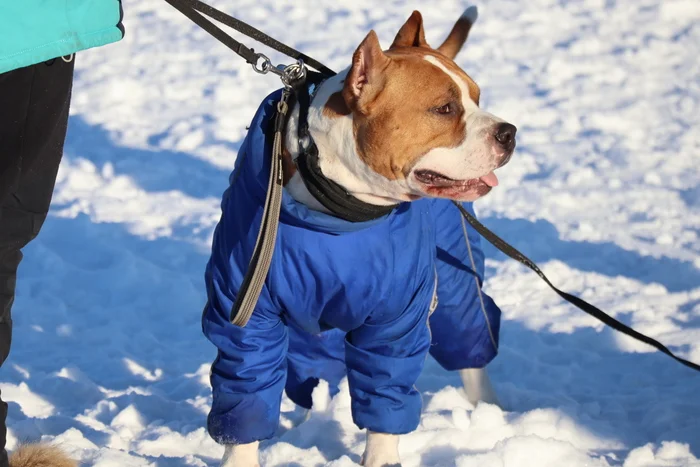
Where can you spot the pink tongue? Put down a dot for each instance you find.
(490, 179)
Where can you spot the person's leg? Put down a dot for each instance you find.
(34, 105)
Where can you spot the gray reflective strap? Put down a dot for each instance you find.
(259, 265)
(434, 301)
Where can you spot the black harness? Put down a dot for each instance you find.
(334, 197)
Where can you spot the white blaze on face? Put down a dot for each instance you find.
(476, 155)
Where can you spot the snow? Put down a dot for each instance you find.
(108, 358)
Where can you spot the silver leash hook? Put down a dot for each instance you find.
(262, 67)
(294, 74)
(290, 75)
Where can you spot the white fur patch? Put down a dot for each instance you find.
(241, 455)
(476, 156)
(300, 193)
(381, 450)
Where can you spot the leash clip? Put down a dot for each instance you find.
(291, 75)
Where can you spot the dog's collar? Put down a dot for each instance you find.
(330, 194)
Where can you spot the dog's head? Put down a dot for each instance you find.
(407, 123)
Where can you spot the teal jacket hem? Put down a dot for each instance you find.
(59, 48)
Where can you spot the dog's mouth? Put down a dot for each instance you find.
(436, 179)
(441, 186)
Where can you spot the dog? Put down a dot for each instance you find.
(399, 135)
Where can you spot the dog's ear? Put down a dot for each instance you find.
(460, 31)
(411, 33)
(365, 80)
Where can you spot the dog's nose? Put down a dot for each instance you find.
(505, 135)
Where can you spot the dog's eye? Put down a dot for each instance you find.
(446, 109)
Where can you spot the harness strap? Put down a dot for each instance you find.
(332, 196)
(577, 302)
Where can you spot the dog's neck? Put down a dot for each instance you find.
(331, 127)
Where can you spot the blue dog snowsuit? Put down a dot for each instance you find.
(370, 286)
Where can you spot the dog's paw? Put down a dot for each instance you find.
(364, 464)
(382, 450)
(471, 14)
(40, 455)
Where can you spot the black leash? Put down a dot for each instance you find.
(592, 310)
(193, 8)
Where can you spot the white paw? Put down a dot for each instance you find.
(365, 463)
(471, 13)
(241, 455)
(382, 450)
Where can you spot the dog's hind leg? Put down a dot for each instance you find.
(241, 455)
(466, 323)
(477, 385)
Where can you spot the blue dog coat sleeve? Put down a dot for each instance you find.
(384, 358)
(247, 378)
(249, 373)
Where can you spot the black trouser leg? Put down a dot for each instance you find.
(34, 105)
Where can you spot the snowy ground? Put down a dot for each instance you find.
(604, 192)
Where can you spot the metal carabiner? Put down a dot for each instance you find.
(290, 75)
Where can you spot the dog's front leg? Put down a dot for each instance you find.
(477, 385)
(382, 450)
(241, 455)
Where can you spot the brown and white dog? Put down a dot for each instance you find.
(395, 126)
